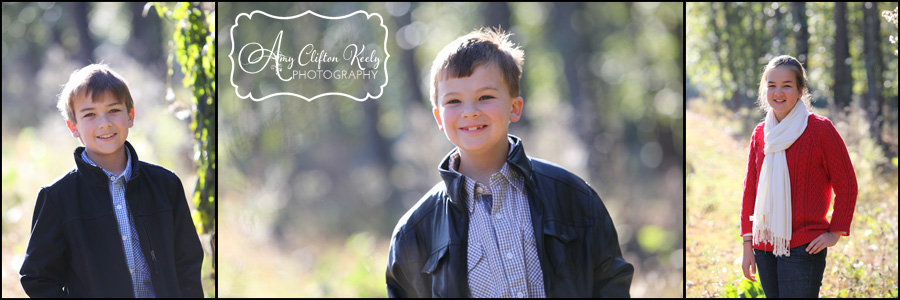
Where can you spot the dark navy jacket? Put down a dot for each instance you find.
(76, 249)
(574, 234)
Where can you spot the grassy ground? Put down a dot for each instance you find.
(863, 264)
(255, 267)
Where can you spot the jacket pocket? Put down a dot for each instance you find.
(559, 244)
(563, 232)
(434, 260)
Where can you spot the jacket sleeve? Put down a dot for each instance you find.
(44, 269)
(188, 251)
(612, 274)
(748, 201)
(842, 178)
(398, 283)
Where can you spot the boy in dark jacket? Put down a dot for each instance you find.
(114, 226)
(501, 224)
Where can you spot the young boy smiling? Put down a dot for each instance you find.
(113, 226)
(501, 224)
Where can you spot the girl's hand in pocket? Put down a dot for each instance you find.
(827, 239)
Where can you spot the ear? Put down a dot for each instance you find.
(131, 118)
(437, 117)
(72, 128)
(516, 111)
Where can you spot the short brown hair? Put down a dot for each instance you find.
(799, 73)
(94, 79)
(462, 56)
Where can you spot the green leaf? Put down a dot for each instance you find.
(180, 11)
(189, 39)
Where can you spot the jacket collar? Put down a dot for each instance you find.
(95, 174)
(456, 183)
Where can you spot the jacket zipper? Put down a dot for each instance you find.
(146, 234)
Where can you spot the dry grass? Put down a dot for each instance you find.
(863, 264)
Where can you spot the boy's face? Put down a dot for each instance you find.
(103, 125)
(474, 112)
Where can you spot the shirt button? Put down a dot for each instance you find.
(479, 190)
(509, 255)
(123, 237)
(112, 178)
(119, 206)
(498, 216)
(521, 295)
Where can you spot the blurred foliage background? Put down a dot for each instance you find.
(43, 43)
(313, 190)
(849, 51)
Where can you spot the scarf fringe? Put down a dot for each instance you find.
(761, 235)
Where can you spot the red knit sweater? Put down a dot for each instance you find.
(817, 162)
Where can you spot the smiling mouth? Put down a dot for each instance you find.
(106, 136)
(473, 128)
(780, 101)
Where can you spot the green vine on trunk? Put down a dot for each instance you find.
(194, 45)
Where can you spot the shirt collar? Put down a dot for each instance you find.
(126, 173)
(506, 176)
(454, 157)
(510, 175)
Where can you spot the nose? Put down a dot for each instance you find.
(105, 121)
(470, 111)
(778, 92)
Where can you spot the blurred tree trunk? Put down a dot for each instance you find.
(418, 99)
(574, 49)
(377, 142)
(717, 47)
(734, 30)
(408, 63)
(872, 46)
(85, 40)
(146, 41)
(497, 15)
(843, 81)
(757, 30)
(752, 59)
(680, 33)
(801, 31)
(383, 156)
(778, 43)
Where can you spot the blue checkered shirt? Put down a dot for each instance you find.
(140, 272)
(502, 260)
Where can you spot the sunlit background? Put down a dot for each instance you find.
(43, 43)
(728, 46)
(312, 190)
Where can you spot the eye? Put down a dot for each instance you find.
(88, 115)
(486, 97)
(787, 86)
(115, 110)
(452, 101)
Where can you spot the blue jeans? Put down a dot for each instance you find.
(797, 276)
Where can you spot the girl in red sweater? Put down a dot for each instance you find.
(796, 159)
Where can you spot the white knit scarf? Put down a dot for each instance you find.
(772, 219)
